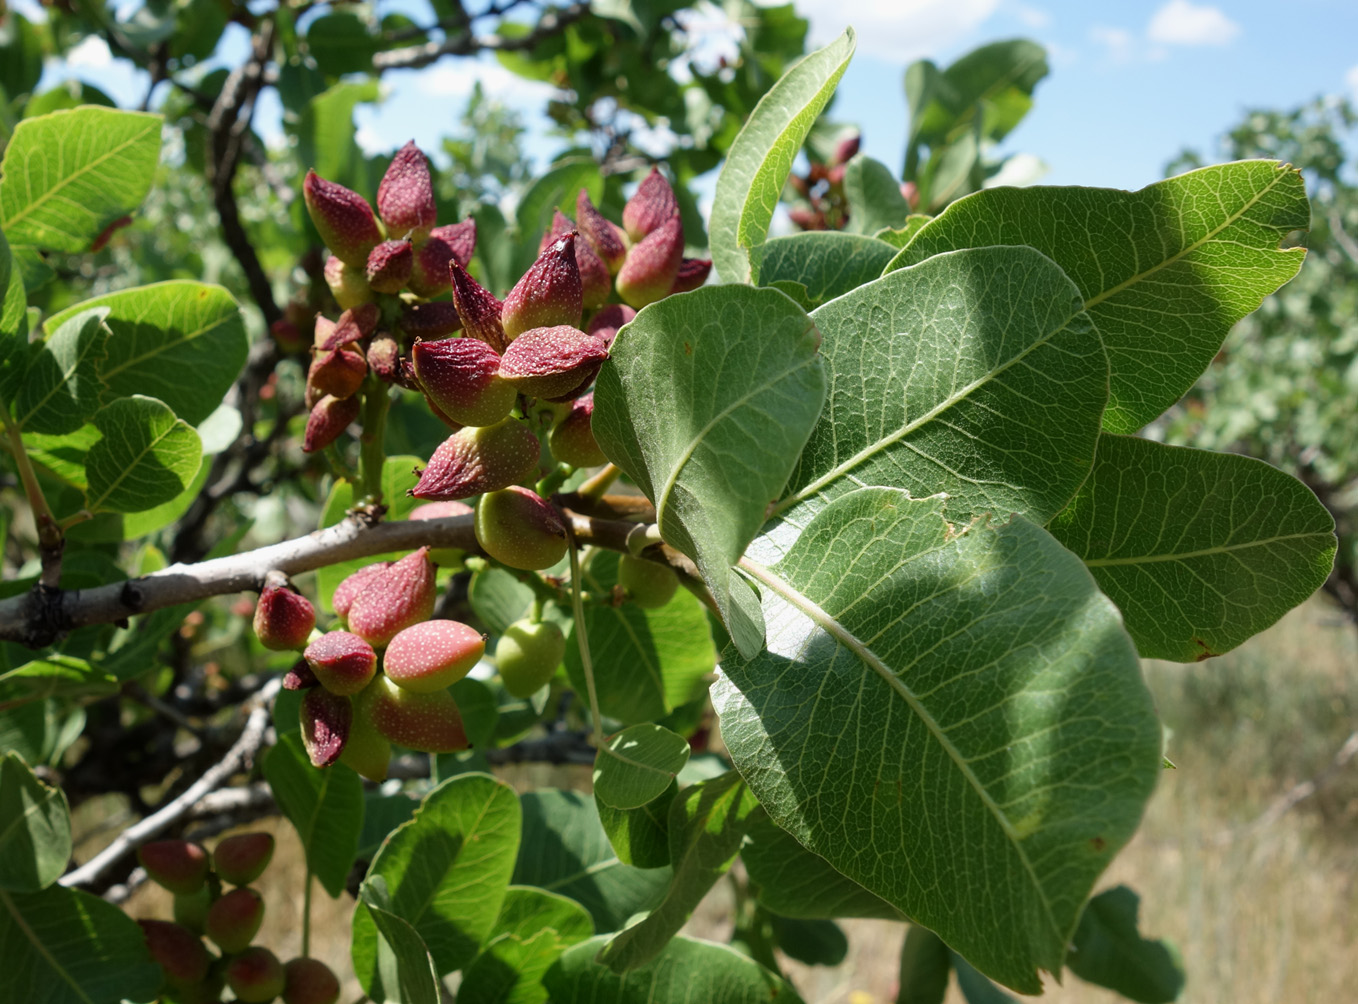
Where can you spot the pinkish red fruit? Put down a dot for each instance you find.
(405, 198)
(397, 598)
(551, 362)
(438, 319)
(339, 372)
(355, 323)
(178, 865)
(287, 336)
(652, 266)
(429, 723)
(350, 587)
(255, 976)
(480, 311)
(605, 324)
(283, 619)
(461, 377)
(847, 148)
(300, 676)
(435, 256)
(309, 981)
(241, 858)
(389, 266)
(329, 417)
(348, 283)
(604, 236)
(596, 282)
(479, 459)
(520, 529)
(343, 662)
(179, 951)
(433, 655)
(367, 750)
(693, 272)
(384, 357)
(652, 206)
(326, 719)
(572, 441)
(549, 292)
(343, 218)
(234, 919)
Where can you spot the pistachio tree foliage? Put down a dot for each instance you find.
(832, 552)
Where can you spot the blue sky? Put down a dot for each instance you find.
(1131, 84)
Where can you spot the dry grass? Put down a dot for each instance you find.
(1260, 916)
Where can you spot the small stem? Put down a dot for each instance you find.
(547, 486)
(582, 638)
(594, 488)
(74, 518)
(50, 538)
(376, 402)
(306, 915)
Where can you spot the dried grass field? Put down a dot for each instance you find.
(1263, 906)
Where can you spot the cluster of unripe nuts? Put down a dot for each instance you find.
(229, 918)
(822, 187)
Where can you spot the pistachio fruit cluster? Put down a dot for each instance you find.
(229, 919)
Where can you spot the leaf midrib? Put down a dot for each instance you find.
(41, 948)
(855, 645)
(150, 447)
(1206, 552)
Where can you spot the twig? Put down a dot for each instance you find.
(464, 43)
(1297, 793)
(240, 754)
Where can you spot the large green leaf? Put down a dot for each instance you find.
(962, 698)
(533, 929)
(640, 837)
(1164, 271)
(146, 456)
(403, 972)
(973, 374)
(791, 881)
(1110, 951)
(926, 965)
(447, 870)
(761, 157)
(637, 765)
(707, 823)
(1200, 550)
(35, 829)
(647, 662)
(60, 946)
(686, 972)
(61, 387)
(829, 263)
(706, 402)
(325, 806)
(182, 342)
(325, 134)
(13, 325)
(874, 195)
(57, 675)
(340, 43)
(68, 175)
(565, 850)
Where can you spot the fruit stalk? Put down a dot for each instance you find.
(376, 403)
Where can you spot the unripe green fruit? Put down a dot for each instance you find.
(309, 981)
(178, 865)
(255, 976)
(429, 723)
(190, 909)
(527, 655)
(648, 583)
(519, 529)
(367, 750)
(240, 859)
(233, 921)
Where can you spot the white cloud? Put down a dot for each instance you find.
(370, 141)
(899, 30)
(92, 53)
(1033, 17)
(1118, 42)
(1181, 22)
(1351, 79)
(455, 79)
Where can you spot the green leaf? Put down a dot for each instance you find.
(533, 929)
(1108, 950)
(565, 850)
(68, 175)
(147, 456)
(637, 765)
(647, 662)
(398, 475)
(874, 195)
(499, 598)
(60, 945)
(1164, 271)
(1200, 550)
(904, 234)
(959, 697)
(56, 675)
(974, 374)
(61, 387)
(403, 972)
(325, 806)
(827, 263)
(640, 837)
(792, 882)
(705, 403)
(813, 942)
(761, 157)
(35, 829)
(180, 341)
(13, 326)
(325, 134)
(447, 869)
(976, 989)
(926, 965)
(686, 971)
(340, 43)
(707, 823)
